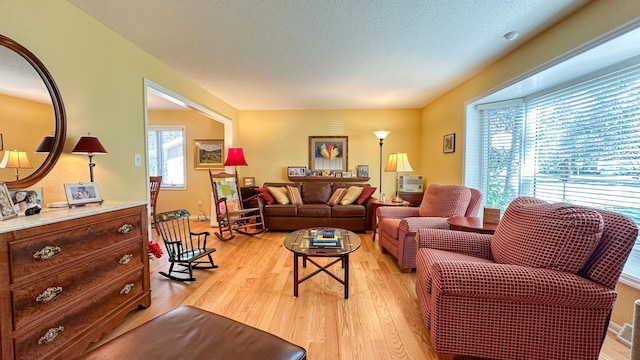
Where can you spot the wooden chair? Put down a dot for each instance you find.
(154, 189)
(231, 212)
(184, 247)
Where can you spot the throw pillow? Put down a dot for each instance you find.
(556, 236)
(367, 191)
(351, 195)
(337, 196)
(280, 194)
(266, 195)
(294, 195)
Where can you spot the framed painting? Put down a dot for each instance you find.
(449, 143)
(328, 153)
(209, 154)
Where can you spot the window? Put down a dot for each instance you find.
(166, 155)
(579, 143)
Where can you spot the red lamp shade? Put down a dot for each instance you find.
(88, 145)
(46, 144)
(235, 157)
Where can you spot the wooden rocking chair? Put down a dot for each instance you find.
(231, 213)
(184, 247)
(154, 190)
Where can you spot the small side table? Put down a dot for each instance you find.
(376, 204)
(471, 224)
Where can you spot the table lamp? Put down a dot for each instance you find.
(14, 159)
(398, 162)
(89, 145)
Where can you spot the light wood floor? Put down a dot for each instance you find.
(254, 285)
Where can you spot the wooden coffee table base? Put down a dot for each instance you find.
(344, 259)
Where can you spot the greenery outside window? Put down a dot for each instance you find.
(579, 143)
(167, 155)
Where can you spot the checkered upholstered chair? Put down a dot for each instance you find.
(541, 287)
(398, 225)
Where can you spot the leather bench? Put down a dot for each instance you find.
(189, 332)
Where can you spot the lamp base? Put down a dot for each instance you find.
(398, 199)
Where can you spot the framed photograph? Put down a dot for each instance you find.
(293, 171)
(449, 143)
(82, 193)
(27, 201)
(346, 174)
(248, 181)
(338, 174)
(363, 171)
(209, 154)
(7, 210)
(328, 153)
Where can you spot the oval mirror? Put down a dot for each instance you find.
(31, 109)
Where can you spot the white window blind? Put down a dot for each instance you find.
(579, 144)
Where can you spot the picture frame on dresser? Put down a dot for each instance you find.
(27, 201)
(79, 194)
(7, 211)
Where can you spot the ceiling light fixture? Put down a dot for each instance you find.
(511, 35)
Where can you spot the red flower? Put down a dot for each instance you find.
(154, 250)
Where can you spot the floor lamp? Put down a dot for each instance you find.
(235, 158)
(398, 162)
(381, 135)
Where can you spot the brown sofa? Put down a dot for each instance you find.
(315, 211)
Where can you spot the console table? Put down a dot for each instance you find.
(69, 275)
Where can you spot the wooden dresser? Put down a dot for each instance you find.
(69, 275)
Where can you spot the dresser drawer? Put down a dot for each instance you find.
(55, 246)
(32, 301)
(52, 334)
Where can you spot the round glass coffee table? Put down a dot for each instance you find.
(300, 243)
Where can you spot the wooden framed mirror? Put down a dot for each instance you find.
(28, 86)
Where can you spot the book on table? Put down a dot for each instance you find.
(326, 238)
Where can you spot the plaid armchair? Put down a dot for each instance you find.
(398, 225)
(541, 287)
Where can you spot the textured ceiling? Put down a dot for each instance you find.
(321, 54)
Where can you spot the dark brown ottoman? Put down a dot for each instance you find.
(189, 332)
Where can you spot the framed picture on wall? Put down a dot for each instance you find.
(209, 154)
(328, 153)
(449, 143)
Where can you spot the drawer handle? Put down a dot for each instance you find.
(125, 229)
(125, 259)
(49, 294)
(51, 335)
(126, 289)
(46, 252)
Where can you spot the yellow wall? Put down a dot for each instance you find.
(274, 140)
(100, 76)
(24, 124)
(197, 126)
(446, 114)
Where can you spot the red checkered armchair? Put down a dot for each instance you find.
(398, 225)
(541, 287)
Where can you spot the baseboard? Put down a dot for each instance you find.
(621, 332)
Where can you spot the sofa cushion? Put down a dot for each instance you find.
(337, 196)
(314, 210)
(367, 191)
(557, 236)
(266, 195)
(280, 194)
(294, 195)
(316, 193)
(281, 210)
(351, 195)
(346, 211)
